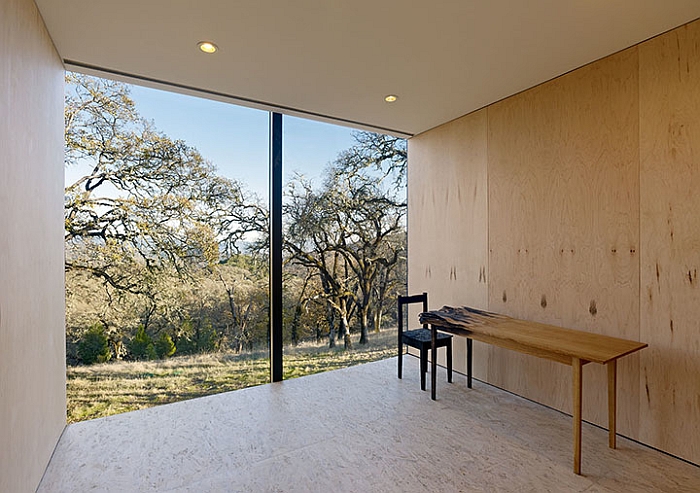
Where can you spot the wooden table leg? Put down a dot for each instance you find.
(612, 402)
(433, 361)
(469, 363)
(577, 387)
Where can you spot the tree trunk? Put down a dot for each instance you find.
(295, 324)
(298, 311)
(364, 324)
(381, 296)
(378, 320)
(344, 325)
(146, 318)
(364, 303)
(345, 330)
(330, 317)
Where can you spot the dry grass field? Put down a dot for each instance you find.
(120, 386)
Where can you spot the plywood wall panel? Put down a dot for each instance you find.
(448, 219)
(670, 234)
(32, 327)
(564, 225)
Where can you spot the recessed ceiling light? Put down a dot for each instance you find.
(207, 47)
(391, 98)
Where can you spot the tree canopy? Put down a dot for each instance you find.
(145, 201)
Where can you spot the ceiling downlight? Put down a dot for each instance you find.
(207, 47)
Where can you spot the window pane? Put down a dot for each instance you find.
(167, 274)
(345, 241)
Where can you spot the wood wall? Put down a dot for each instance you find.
(32, 326)
(591, 220)
(449, 252)
(564, 224)
(669, 85)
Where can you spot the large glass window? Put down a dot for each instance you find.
(166, 255)
(345, 245)
(167, 246)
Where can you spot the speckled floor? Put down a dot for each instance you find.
(354, 430)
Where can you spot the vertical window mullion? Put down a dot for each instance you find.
(276, 335)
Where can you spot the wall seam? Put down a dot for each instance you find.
(489, 350)
(640, 393)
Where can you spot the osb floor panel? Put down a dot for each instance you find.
(354, 430)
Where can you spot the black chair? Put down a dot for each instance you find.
(421, 339)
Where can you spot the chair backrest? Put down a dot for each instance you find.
(407, 300)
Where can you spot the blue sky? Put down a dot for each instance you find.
(235, 138)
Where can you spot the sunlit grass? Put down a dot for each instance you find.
(111, 388)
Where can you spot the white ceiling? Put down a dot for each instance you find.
(338, 59)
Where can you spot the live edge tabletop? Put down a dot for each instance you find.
(568, 346)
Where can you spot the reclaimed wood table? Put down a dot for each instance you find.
(571, 347)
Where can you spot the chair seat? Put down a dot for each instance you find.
(424, 336)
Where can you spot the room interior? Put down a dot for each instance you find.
(554, 154)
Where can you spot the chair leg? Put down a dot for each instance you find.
(423, 367)
(400, 358)
(448, 348)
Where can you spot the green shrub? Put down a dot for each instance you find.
(206, 338)
(93, 346)
(141, 347)
(164, 345)
(197, 337)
